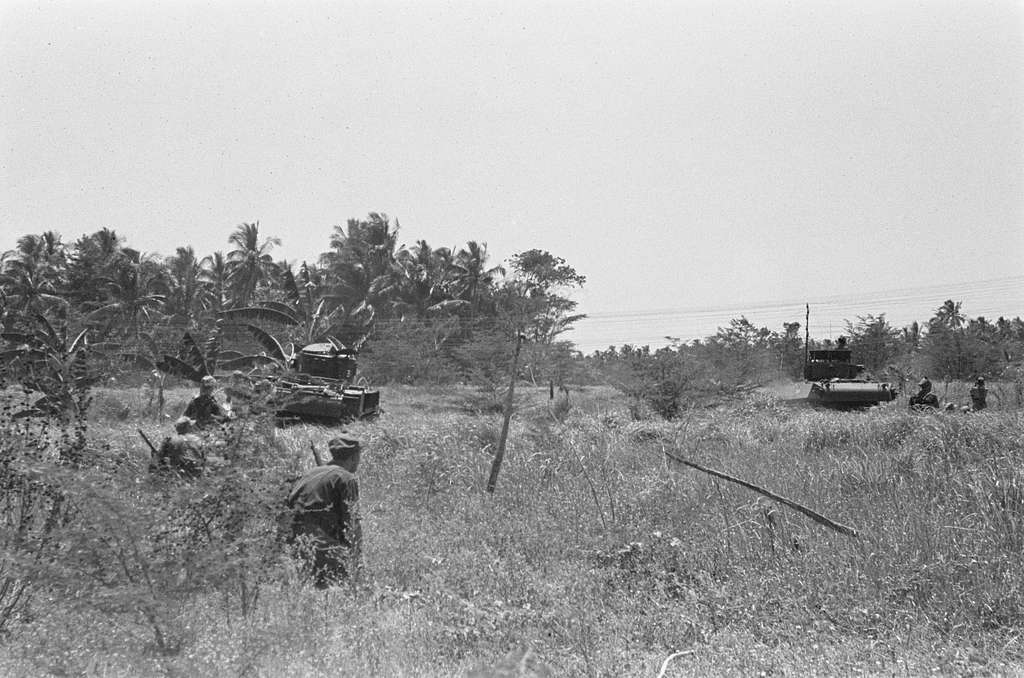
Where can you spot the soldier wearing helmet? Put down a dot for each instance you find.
(181, 453)
(204, 409)
(925, 398)
(325, 518)
(979, 394)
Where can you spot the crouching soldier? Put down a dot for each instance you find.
(924, 399)
(181, 453)
(204, 409)
(325, 514)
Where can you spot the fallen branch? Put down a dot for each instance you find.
(810, 513)
(664, 664)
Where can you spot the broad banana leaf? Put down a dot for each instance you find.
(179, 368)
(229, 355)
(278, 306)
(48, 331)
(291, 288)
(247, 361)
(198, 360)
(271, 345)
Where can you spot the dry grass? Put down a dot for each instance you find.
(604, 559)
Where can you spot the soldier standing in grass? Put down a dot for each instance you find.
(979, 394)
(181, 453)
(325, 514)
(204, 409)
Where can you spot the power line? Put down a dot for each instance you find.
(897, 295)
(998, 297)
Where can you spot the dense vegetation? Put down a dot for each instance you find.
(595, 557)
(411, 299)
(425, 315)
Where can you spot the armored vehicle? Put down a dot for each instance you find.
(839, 384)
(319, 388)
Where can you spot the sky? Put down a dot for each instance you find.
(696, 161)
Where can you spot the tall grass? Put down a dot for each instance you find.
(597, 551)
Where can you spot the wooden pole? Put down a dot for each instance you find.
(499, 454)
(807, 336)
(810, 513)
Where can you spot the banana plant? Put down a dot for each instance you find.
(45, 359)
(313, 315)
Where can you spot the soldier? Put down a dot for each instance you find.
(924, 398)
(325, 513)
(979, 394)
(181, 453)
(204, 409)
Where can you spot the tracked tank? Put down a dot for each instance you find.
(837, 383)
(319, 388)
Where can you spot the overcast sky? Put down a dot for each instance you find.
(695, 160)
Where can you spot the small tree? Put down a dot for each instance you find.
(531, 297)
(875, 343)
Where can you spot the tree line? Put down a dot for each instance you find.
(741, 356)
(436, 315)
(367, 289)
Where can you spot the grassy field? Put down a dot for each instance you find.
(596, 555)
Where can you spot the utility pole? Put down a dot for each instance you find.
(807, 334)
(499, 454)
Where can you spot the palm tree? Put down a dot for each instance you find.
(45, 248)
(949, 315)
(32, 274)
(30, 285)
(424, 279)
(472, 277)
(309, 309)
(189, 294)
(361, 265)
(214, 274)
(91, 261)
(249, 264)
(134, 292)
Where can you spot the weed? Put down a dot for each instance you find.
(595, 554)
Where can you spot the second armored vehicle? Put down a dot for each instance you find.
(839, 384)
